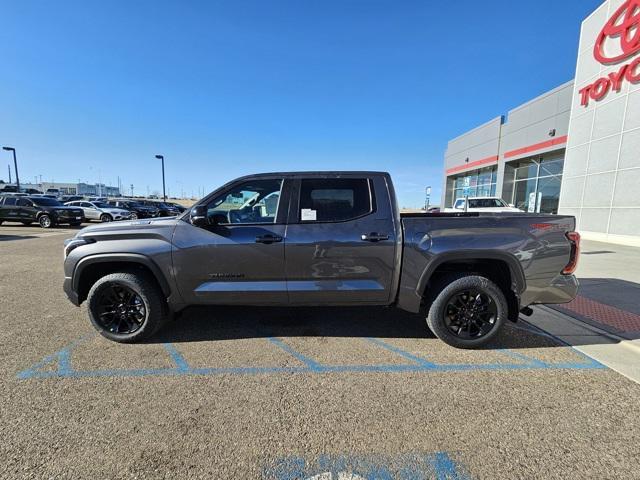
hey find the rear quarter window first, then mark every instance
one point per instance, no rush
(334, 199)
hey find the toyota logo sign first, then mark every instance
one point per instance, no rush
(618, 40)
(621, 33)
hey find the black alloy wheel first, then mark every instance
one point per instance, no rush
(45, 221)
(120, 310)
(470, 314)
(465, 310)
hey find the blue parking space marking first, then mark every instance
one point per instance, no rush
(58, 365)
(402, 353)
(438, 466)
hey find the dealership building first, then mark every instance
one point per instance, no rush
(573, 150)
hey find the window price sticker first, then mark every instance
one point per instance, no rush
(307, 214)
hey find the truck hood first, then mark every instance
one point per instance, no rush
(109, 228)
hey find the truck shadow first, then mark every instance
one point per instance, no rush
(200, 324)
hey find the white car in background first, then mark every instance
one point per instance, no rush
(483, 204)
(100, 211)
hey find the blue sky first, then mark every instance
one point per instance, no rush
(94, 89)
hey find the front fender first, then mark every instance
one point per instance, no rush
(120, 257)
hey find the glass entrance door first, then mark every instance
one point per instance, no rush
(537, 185)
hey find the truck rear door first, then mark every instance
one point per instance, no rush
(341, 241)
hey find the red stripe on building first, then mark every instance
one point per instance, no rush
(537, 146)
(477, 163)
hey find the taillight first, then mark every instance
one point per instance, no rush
(574, 239)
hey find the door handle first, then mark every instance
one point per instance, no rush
(374, 237)
(268, 239)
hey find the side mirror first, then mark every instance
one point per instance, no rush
(198, 216)
(512, 205)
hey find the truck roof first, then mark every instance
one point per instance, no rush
(316, 173)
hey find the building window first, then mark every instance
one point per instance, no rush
(537, 185)
(478, 183)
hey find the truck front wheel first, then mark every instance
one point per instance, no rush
(467, 310)
(126, 307)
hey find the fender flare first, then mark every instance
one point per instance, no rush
(134, 258)
(518, 280)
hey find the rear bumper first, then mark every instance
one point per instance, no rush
(72, 295)
(563, 289)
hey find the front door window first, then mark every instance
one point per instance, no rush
(254, 202)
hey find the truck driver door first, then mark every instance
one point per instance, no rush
(237, 257)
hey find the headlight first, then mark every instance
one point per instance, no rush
(73, 243)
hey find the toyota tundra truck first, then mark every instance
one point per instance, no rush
(322, 239)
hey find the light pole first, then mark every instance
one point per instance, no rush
(164, 195)
(15, 165)
(427, 198)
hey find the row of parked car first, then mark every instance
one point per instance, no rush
(48, 211)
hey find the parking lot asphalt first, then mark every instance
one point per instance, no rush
(364, 393)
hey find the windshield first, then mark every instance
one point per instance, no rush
(486, 203)
(46, 202)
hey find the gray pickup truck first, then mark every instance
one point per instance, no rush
(325, 238)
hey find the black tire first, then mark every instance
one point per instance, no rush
(25, 223)
(105, 217)
(146, 289)
(45, 221)
(467, 310)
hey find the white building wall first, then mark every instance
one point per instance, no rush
(601, 184)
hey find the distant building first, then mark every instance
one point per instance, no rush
(86, 189)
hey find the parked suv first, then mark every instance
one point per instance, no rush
(46, 211)
(165, 209)
(101, 211)
(71, 198)
(137, 209)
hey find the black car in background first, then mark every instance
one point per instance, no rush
(177, 206)
(46, 211)
(137, 209)
(165, 209)
(71, 198)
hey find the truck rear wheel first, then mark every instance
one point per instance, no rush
(126, 307)
(467, 310)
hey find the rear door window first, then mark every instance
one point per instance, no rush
(334, 199)
(9, 201)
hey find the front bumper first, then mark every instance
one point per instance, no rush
(73, 217)
(72, 295)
